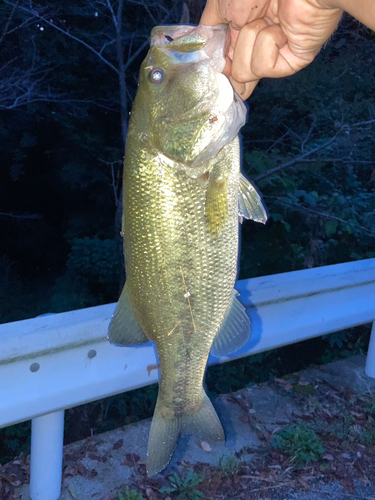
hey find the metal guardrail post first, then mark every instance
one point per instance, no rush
(370, 361)
(47, 434)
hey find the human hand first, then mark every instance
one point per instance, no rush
(271, 38)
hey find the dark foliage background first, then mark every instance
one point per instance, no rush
(68, 74)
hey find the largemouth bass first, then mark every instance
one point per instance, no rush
(183, 195)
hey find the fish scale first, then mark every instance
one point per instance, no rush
(175, 237)
(181, 192)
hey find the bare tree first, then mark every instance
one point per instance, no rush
(113, 44)
(102, 28)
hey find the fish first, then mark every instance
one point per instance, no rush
(183, 198)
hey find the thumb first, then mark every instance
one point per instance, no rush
(210, 15)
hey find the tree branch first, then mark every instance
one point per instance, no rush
(360, 124)
(7, 24)
(24, 216)
(114, 183)
(316, 212)
(143, 46)
(65, 32)
(299, 158)
(113, 16)
(304, 157)
(307, 136)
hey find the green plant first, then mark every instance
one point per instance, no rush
(14, 440)
(337, 339)
(228, 465)
(184, 488)
(129, 495)
(348, 417)
(368, 432)
(370, 408)
(301, 443)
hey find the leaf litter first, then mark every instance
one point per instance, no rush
(330, 440)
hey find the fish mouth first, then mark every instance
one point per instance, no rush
(207, 45)
(188, 43)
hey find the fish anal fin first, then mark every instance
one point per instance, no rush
(124, 328)
(234, 331)
(216, 204)
(250, 204)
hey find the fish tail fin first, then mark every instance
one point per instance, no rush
(162, 441)
(166, 428)
(204, 423)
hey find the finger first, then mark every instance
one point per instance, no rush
(228, 67)
(244, 90)
(211, 15)
(272, 56)
(243, 51)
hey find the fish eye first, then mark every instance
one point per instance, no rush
(157, 75)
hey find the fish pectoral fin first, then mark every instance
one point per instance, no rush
(250, 204)
(166, 428)
(234, 331)
(124, 328)
(216, 204)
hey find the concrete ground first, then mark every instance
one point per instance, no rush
(100, 467)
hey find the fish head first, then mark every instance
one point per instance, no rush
(191, 108)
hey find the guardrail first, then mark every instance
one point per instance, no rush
(54, 362)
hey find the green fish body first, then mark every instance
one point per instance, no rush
(183, 194)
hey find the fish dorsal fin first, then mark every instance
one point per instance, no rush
(124, 328)
(234, 331)
(250, 204)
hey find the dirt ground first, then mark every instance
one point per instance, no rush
(306, 436)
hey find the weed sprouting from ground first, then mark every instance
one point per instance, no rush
(184, 488)
(228, 465)
(302, 444)
(129, 495)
